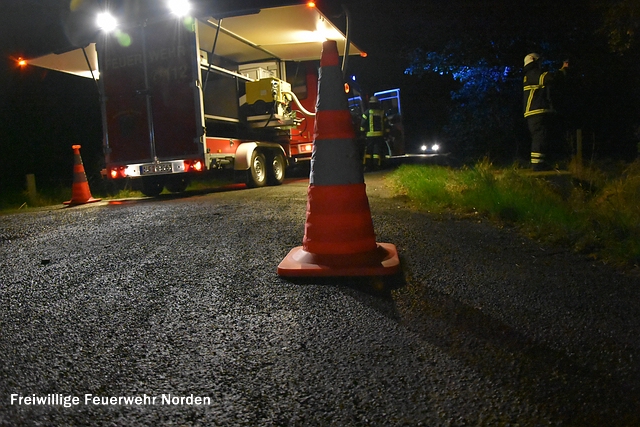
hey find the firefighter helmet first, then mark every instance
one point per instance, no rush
(532, 57)
(373, 101)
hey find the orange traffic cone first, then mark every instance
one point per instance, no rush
(80, 192)
(339, 238)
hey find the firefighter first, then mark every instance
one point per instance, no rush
(538, 108)
(375, 128)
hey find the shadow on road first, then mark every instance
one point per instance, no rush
(375, 292)
(564, 386)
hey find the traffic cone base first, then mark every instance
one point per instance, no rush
(382, 261)
(75, 203)
(80, 193)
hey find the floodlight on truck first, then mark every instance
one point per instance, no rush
(179, 8)
(106, 21)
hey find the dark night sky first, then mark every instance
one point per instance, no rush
(385, 29)
(32, 27)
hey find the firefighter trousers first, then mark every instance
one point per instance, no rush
(539, 129)
(374, 152)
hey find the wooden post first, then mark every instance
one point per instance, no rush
(31, 188)
(579, 150)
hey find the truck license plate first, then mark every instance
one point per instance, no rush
(157, 168)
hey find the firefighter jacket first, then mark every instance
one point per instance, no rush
(374, 123)
(537, 90)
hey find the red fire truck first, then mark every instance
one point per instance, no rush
(184, 93)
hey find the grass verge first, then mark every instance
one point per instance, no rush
(594, 212)
(15, 200)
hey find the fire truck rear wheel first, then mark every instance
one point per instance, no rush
(177, 185)
(113, 186)
(151, 187)
(276, 172)
(257, 176)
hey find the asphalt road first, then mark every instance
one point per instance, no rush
(170, 312)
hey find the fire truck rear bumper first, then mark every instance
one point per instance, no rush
(155, 168)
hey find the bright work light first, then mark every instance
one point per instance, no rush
(106, 22)
(179, 7)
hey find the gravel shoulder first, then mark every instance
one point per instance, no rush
(180, 297)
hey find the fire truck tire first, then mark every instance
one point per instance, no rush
(276, 172)
(112, 187)
(152, 186)
(177, 184)
(257, 176)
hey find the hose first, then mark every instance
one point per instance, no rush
(297, 101)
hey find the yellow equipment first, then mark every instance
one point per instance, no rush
(268, 90)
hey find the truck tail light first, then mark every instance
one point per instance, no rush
(193, 166)
(117, 172)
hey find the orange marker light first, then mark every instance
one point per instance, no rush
(363, 54)
(311, 4)
(22, 62)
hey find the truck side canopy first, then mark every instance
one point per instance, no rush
(282, 33)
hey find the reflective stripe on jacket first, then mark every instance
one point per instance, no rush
(536, 98)
(374, 123)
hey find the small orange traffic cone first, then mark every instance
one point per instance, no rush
(339, 239)
(80, 193)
